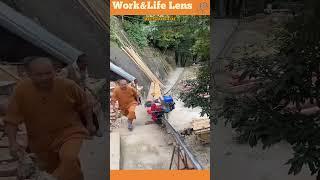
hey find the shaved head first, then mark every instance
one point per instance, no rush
(39, 62)
(123, 84)
(41, 71)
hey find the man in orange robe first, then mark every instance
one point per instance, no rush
(127, 98)
(51, 109)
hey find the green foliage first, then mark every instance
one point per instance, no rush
(292, 76)
(137, 32)
(187, 36)
(198, 95)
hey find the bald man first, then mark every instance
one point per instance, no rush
(51, 109)
(127, 98)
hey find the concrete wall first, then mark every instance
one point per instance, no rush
(121, 59)
(68, 20)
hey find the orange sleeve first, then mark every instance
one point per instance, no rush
(114, 96)
(79, 96)
(14, 115)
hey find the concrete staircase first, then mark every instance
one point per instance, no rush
(146, 147)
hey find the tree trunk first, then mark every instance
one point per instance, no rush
(194, 58)
(185, 58)
(176, 57)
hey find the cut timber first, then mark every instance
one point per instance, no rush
(154, 91)
(200, 123)
(137, 60)
(115, 151)
(204, 138)
(201, 128)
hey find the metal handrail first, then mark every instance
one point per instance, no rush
(185, 148)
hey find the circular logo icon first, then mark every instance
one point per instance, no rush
(203, 6)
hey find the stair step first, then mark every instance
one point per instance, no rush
(115, 151)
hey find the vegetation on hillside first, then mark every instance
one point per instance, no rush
(187, 36)
(291, 76)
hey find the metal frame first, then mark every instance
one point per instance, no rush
(182, 150)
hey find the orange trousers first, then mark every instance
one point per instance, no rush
(130, 112)
(64, 164)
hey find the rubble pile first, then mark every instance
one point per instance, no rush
(114, 111)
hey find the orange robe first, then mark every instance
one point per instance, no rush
(127, 100)
(54, 128)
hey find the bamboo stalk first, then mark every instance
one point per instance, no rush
(142, 64)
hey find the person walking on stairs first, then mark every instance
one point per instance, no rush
(51, 109)
(127, 98)
(78, 72)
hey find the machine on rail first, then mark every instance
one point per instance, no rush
(159, 107)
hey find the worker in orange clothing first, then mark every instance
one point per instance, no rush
(127, 98)
(51, 109)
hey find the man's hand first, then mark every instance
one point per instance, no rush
(138, 100)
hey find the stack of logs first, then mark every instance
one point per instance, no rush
(200, 127)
